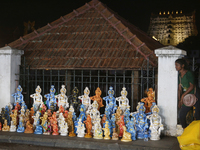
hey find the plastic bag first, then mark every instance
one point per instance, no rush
(190, 139)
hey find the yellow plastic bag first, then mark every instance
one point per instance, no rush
(190, 139)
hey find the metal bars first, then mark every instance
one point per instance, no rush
(135, 83)
(132, 90)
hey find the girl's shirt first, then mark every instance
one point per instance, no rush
(186, 80)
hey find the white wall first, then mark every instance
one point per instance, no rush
(10, 59)
(168, 86)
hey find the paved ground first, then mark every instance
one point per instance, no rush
(14, 146)
(22, 141)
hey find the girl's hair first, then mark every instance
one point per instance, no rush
(182, 62)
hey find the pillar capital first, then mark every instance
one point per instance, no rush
(7, 50)
(170, 51)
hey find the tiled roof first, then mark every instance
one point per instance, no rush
(90, 37)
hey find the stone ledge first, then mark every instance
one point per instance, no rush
(74, 142)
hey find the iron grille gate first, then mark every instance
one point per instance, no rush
(194, 66)
(135, 81)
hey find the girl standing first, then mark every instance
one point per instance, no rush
(185, 86)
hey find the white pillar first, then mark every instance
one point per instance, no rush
(10, 59)
(168, 86)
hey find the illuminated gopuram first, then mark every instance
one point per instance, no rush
(172, 28)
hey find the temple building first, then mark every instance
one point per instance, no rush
(172, 28)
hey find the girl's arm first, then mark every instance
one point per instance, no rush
(179, 92)
(188, 90)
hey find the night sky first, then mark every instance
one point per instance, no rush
(14, 12)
